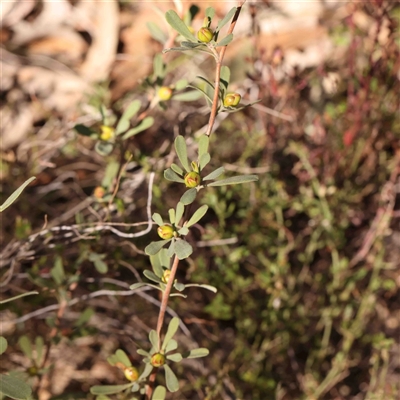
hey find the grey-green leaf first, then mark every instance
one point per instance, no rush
(177, 357)
(109, 389)
(210, 12)
(171, 345)
(57, 272)
(158, 66)
(151, 275)
(202, 92)
(154, 247)
(171, 379)
(173, 19)
(138, 285)
(183, 249)
(171, 213)
(196, 353)
(156, 32)
(234, 180)
(226, 19)
(104, 148)
(39, 345)
(181, 84)
(202, 285)
(215, 174)
(180, 287)
(181, 151)
(26, 346)
(3, 344)
(180, 209)
(177, 169)
(16, 194)
(189, 196)
(172, 328)
(124, 122)
(159, 393)
(145, 124)
(226, 40)
(123, 358)
(225, 76)
(170, 175)
(156, 217)
(203, 144)
(204, 159)
(153, 337)
(197, 216)
(191, 45)
(18, 297)
(183, 231)
(191, 95)
(14, 388)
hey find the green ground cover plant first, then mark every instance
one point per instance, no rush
(246, 257)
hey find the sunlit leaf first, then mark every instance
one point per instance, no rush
(208, 98)
(235, 180)
(204, 159)
(173, 19)
(146, 372)
(210, 12)
(180, 209)
(145, 124)
(181, 151)
(170, 175)
(225, 76)
(197, 216)
(177, 169)
(172, 328)
(158, 66)
(226, 40)
(203, 144)
(171, 345)
(183, 231)
(171, 379)
(159, 393)
(156, 217)
(124, 122)
(171, 213)
(197, 353)
(123, 358)
(177, 357)
(16, 194)
(153, 337)
(191, 95)
(226, 19)
(181, 84)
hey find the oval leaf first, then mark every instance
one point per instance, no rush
(172, 328)
(234, 180)
(215, 174)
(145, 124)
(156, 217)
(183, 249)
(171, 379)
(153, 337)
(26, 346)
(159, 393)
(204, 159)
(14, 388)
(109, 389)
(171, 345)
(181, 151)
(203, 144)
(226, 40)
(180, 209)
(189, 196)
(177, 357)
(123, 123)
(154, 247)
(123, 358)
(173, 19)
(172, 176)
(197, 216)
(226, 19)
(196, 353)
(177, 169)
(151, 275)
(191, 95)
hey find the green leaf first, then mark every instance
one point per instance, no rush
(215, 174)
(171, 345)
(176, 49)
(183, 231)
(234, 180)
(181, 151)
(206, 81)
(203, 144)
(180, 287)
(156, 217)
(151, 275)
(202, 92)
(104, 148)
(173, 19)
(154, 247)
(138, 285)
(123, 358)
(171, 213)
(99, 264)
(145, 124)
(204, 286)
(197, 353)
(159, 393)
(181, 84)
(124, 122)
(156, 32)
(3, 344)
(158, 66)
(183, 249)
(204, 159)
(16, 194)
(18, 297)
(171, 248)
(39, 346)
(197, 216)
(226, 19)
(180, 209)
(172, 328)
(210, 12)
(171, 379)
(57, 272)
(14, 388)
(26, 346)
(109, 389)
(226, 40)
(189, 196)
(170, 175)
(177, 357)
(153, 337)
(225, 76)
(143, 352)
(191, 45)
(177, 169)
(84, 130)
(146, 372)
(110, 174)
(156, 264)
(191, 95)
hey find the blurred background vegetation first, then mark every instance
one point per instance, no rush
(306, 261)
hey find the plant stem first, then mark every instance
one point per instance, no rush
(218, 59)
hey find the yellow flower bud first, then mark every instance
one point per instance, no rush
(232, 99)
(131, 374)
(205, 35)
(107, 133)
(157, 360)
(192, 179)
(164, 93)
(165, 277)
(165, 231)
(99, 192)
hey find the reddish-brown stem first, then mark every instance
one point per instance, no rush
(218, 59)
